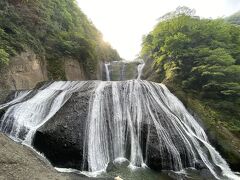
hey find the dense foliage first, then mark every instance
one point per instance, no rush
(200, 56)
(53, 29)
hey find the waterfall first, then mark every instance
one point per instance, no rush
(182, 141)
(18, 96)
(107, 71)
(124, 70)
(136, 120)
(140, 68)
(23, 118)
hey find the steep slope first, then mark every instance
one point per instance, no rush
(18, 162)
(48, 40)
(199, 59)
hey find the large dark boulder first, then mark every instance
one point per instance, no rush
(61, 139)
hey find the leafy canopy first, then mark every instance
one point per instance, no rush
(199, 55)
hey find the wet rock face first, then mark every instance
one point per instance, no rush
(154, 159)
(61, 139)
(155, 152)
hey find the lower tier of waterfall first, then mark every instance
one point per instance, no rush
(87, 125)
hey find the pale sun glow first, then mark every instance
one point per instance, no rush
(124, 22)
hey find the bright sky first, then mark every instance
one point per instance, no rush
(124, 22)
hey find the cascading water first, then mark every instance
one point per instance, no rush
(23, 118)
(115, 121)
(123, 70)
(18, 96)
(107, 71)
(136, 120)
(140, 68)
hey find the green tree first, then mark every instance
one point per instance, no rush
(201, 56)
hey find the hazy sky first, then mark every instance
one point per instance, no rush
(124, 22)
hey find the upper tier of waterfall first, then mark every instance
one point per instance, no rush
(136, 120)
(123, 70)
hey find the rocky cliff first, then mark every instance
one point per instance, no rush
(73, 70)
(26, 70)
(48, 40)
